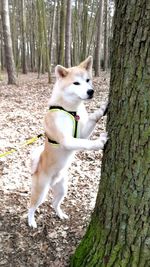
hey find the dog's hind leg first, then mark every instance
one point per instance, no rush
(59, 192)
(38, 194)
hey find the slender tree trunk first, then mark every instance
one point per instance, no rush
(68, 34)
(9, 60)
(1, 49)
(119, 232)
(40, 38)
(24, 41)
(13, 29)
(51, 42)
(79, 30)
(33, 36)
(98, 39)
(105, 34)
(47, 54)
(62, 33)
(84, 30)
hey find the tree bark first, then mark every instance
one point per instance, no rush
(105, 35)
(40, 38)
(68, 35)
(52, 35)
(47, 54)
(9, 60)
(119, 231)
(62, 33)
(1, 48)
(84, 30)
(98, 39)
(24, 41)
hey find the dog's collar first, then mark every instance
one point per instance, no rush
(73, 114)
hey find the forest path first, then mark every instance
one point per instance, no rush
(22, 109)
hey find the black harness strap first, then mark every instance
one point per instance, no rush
(76, 118)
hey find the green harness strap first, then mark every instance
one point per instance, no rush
(73, 115)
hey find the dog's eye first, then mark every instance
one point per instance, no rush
(87, 80)
(76, 83)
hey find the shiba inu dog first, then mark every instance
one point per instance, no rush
(67, 127)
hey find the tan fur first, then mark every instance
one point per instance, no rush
(50, 164)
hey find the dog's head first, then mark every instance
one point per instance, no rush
(75, 84)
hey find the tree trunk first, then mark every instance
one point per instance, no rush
(105, 35)
(13, 26)
(40, 38)
(62, 33)
(24, 56)
(98, 39)
(68, 35)
(84, 30)
(119, 232)
(1, 49)
(32, 30)
(47, 54)
(76, 33)
(52, 35)
(9, 60)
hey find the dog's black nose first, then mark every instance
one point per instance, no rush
(90, 93)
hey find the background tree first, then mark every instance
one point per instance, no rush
(98, 39)
(119, 231)
(43, 35)
(52, 43)
(9, 60)
(61, 50)
(47, 54)
(24, 41)
(68, 34)
(106, 18)
(1, 46)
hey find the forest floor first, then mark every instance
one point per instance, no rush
(22, 109)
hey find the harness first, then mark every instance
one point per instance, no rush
(73, 115)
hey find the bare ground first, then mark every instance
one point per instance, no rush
(22, 109)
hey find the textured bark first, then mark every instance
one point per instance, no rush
(23, 17)
(119, 232)
(33, 36)
(52, 35)
(1, 49)
(105, 34)
(42, 45)
(13, 27)
(62, 33)
(47, 54)
(68, 35)
(84, 29)
(98, 39)
(76, 35)
(9, 60)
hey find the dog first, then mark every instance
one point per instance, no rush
(67, 127)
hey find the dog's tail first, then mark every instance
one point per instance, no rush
(35, 157)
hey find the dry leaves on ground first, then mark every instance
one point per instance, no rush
(22, 109)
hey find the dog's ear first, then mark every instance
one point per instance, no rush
(87, 64)
(60, 71)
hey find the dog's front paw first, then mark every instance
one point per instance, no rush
(100, 112)
(103, 139)
(104, 108)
